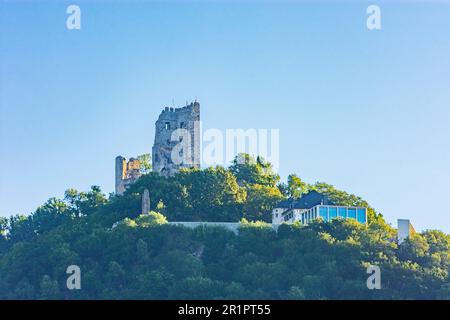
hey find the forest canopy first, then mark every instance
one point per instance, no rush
(126, 254)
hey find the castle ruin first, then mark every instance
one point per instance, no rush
(127, 172)
(177, 140)
(176, 146)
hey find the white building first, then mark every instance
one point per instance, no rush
(404, 230)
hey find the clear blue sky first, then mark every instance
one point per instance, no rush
(367, 111)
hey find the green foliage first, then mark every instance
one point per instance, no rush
(192, 195)
(84, 203)
(244, 223)
(343, 198)
(49, 288)
(151, 219)
(21, 228)
(146, 163)
(260, 201)
(296, 187)
(3, 226)
(249, 170)
(147, 220)
(126, 255)
(318, 261)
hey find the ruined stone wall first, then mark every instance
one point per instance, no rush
(133, 164)
(126, 173)
(169, 140)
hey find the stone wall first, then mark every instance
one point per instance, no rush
(127, 172)
(232, 226)
(177, 139)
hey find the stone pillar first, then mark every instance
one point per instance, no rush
(120, 174)
(146, 202)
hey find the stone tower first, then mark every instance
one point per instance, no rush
(177, 139)
(126, 173)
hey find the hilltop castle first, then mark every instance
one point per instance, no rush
(177, 139)
(176, 146)
(127, 172)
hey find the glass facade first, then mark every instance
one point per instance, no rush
(352, 213)
(324, 213)
(332, 213)
(361, 215)
(328, 213)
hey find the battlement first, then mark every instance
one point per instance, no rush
(187, 113)
(187, 107)
(167, 137)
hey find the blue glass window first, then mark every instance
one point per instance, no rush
(352, 213)
(343, 212)
(332, 211)
(323, 211)
(361, 215)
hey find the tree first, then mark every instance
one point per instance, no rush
(260, 201)
(20, 228)
(49, 288)
(247, 170)
(415, 249)
(24, 290)
(212, 194)
(142, 250)
(3, 232)
(85, 203)
(296, 293)
(3, 226)
(52, 214)
(151, 219)
(196, 288)
(181, 264)
(296, 187)
(144, 258)
(145, 161)
(116, 275)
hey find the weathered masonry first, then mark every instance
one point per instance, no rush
(177, 139)
(127, 172)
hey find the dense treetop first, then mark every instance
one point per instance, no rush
(125, 254)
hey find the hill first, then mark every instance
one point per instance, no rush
(123, 254)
